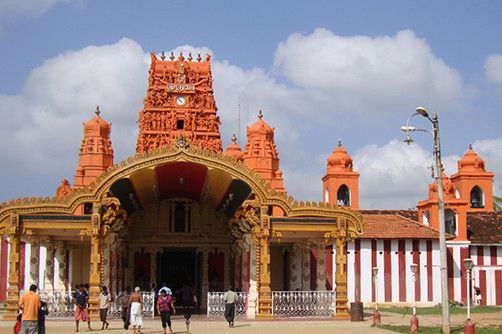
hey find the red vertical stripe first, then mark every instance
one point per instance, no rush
(373, 264)
(449, 266)
(22, 260)
(357, 269)
(464, 254)
(416, 260)
(498, 276)
(482, 275)
(430, 296)
(313, 269)
(329, 267)
(3, 268)
(402, 270)
(387, 271)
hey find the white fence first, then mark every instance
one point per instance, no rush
(61, 306)
(303, 304)
(216, 305)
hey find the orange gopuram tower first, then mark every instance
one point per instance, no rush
(179, 102)
(96, 153)
(261, 155)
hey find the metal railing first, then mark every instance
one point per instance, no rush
(303, 304)
(216, 305)
(60, 304)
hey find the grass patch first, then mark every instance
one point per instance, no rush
(438, 330)
(436, 310)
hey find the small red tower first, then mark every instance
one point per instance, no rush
(473, 183)
(341, 184)
(261, 155)
(233, 150)
(96, 153)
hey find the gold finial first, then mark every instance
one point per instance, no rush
(339, 142)
(162, 55)
(199, 58)
(97, 112)
(171, 56)
(260, 115)
(470, 147)
(234, 139)
(190, 56)
(208, 57)
(180, 57)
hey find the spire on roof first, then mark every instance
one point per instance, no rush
(97, 112)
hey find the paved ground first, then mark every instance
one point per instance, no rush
(200, 324)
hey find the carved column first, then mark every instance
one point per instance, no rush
(306, 267)
(153, 266)
(95, 262)
(321, 267)
(60, 266)
(252, 280)
(341, 279)
(295, 269)
(226, 268)
(49, 265)
(262, 239)
(33, 277)
(13, 289)
(105, 263)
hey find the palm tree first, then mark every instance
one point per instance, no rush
(497, 203)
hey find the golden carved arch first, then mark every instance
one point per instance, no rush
(265, 194)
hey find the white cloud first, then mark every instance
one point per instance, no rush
(29, 8)
(365, 75)
(493, 68)
(490, 150)
(44, 135)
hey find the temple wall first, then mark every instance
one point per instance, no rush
(80, 264)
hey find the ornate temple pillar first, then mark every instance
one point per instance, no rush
(341, 279)
(262, 239)
(321, 267)
(295, 269)
(49, 266)
(306, 267)
(60, 266)
(153, 266)
(33, 277)
(226, 268)
(251, 278)
(13, 280)
(95, 280)
(205, 276)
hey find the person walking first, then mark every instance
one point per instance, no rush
(42, 313)
(104, 306)
(123, 302)
(81, 301)
(165, 307)
(30, 303)
(230, 298)
(136, 310)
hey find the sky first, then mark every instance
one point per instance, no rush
(320, 71)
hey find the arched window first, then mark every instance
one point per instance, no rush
(343, 196)
(425, 218)
(477, 198)
(450, 221)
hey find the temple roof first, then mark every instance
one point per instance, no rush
(471, 162)
(339, 160)
(233, 150)
(395, 224)
(484, 227)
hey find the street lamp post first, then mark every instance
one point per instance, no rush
(438, 173)
(468, 325)
(414, 318)
(376, 315)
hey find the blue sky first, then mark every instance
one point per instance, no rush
(320, 70)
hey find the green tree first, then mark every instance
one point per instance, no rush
(497, 203)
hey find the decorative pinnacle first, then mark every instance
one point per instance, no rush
(162, 55)
(180, 57)
(339, 142)
(470, 146)
(234, 138)
(260, 115)
(199, 58)
(171, 56)
(190, 56)
(97, 112)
